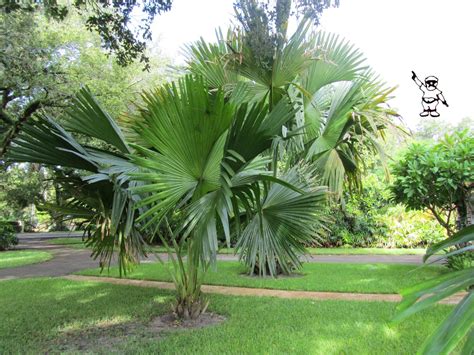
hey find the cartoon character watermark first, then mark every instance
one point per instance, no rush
(431, 95)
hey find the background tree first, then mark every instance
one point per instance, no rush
(110, 19)
(21, 187)
(435, 129)
(43, 64)
(437, 177)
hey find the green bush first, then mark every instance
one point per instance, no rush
(459, 261)
(409, 229)
(436, 177)
(371, 219)
(7, 236)
(352, 229)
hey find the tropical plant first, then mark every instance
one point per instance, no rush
(285, 221)
(199, 163)
(437, 177)
(340, 111)
(202, 164)
(458, 325)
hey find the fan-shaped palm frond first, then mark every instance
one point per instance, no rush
(283, 222)
(199, 143)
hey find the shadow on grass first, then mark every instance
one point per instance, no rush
(40, 315)
(57, 315)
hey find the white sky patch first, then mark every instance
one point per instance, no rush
(431, 37)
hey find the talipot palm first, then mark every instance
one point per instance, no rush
(202, 162)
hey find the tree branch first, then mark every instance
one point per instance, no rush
(30, 109)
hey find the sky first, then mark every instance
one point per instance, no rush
(430, 37)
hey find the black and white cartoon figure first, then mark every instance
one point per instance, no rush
(431, 95)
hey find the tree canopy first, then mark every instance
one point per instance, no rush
(44, 63)
(437, 177)
(110, 19)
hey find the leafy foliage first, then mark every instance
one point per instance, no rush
(459, 324)
(409, 229)
(8, 237)
(437, 177)
(20, 187)
(111, 20)
(44, 63)
(340, 109)
(369, 218)
(286, 220)
(204, 159)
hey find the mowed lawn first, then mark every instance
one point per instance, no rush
(363, 278)
(57, 315)
(14, 258)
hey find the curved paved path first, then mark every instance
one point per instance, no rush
(65, 261)
(68, 260)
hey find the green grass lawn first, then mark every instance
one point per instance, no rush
(349, 251)
(56, 315)
(76, 243)
(363, 278)
(16, 258)
(339, 251)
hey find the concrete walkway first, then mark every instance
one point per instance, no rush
(260, 292)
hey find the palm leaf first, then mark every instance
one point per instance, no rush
(87, 117)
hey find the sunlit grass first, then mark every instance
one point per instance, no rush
(16, 258)
(363, 278)
(76, 243)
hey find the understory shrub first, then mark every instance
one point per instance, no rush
(8, 237)
(370, 219)
(351, 229)
(409, 229)
(459, 261)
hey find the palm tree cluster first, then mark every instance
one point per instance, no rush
(240, 147)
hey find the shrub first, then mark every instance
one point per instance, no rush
(8, 237)
(409, 229)
(371, 219)
(437, 178)
(352, 229)
(459, 261)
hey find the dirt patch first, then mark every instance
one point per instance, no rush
(107, 338)
(170, 322)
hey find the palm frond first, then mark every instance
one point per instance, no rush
(283, 221)
(86, 116)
